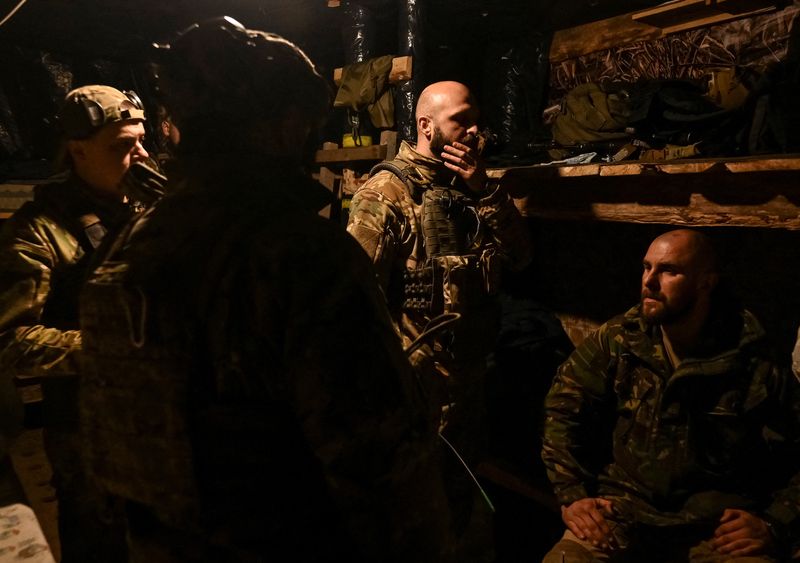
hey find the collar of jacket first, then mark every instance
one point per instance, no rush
(727, 333)
(75, 198)
(426, 171)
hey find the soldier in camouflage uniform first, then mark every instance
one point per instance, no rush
(219, 401)
(44, 252)
(438, 235)
(670, 433)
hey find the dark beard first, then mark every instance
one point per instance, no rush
(668, 314)
(438, 142)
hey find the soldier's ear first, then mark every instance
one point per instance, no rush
(76, 150)
(425, 126)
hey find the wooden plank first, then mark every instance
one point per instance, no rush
(763, 164)
(597, 36)
(647, 25)
(674, 13)
(389, 138)
(13, 196)
(748, 192)
(373, 152)
(633, 168)
(711, 20)
(402, 69)
(509, 478)
(327, 178)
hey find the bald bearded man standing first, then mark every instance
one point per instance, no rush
(439, 233)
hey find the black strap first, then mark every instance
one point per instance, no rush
(400, 172)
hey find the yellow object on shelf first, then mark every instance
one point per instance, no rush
(349, 143)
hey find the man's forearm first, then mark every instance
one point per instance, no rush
(39, 350)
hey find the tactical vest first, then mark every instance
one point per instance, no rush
(452, 275)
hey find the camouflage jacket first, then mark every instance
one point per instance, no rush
(676, 446)
(44, 252)
(249, 302)
(386, 220)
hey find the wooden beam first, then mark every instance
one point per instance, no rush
(510, 478)
(331, 181)
(12, 196)
(676, 12)
(372, 152)
(402, 68)
(654, 23)
(596, 36)
(748, 192)
(389, 138)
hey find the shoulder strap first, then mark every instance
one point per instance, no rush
(394, 167)
(87, 228)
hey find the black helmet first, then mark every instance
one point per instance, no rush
(224, 75)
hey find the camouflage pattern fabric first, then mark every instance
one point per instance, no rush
(676, 447)
(386, 220)
(250, 303)
(45, 249)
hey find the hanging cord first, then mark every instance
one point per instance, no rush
(469, 472)
(13, 11)
(434, 326)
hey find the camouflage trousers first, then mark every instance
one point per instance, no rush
(571, 549)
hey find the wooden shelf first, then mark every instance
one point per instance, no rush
(742, 192)
(331, 153)
(670, 14)
(12, 196)
(650, 24)
(331, 156)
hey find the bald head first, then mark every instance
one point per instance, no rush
(680, 273)
(441, 95)
(446, 112)
(693, 246)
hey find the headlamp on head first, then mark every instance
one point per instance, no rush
(88, 108)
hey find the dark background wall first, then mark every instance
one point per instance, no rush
(50, 46)
(588, 272)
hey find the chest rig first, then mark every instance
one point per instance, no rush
(451, 234)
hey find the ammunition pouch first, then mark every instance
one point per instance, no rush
(445, 284)
(419, 290)
(450, 223)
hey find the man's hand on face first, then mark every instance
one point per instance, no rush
(585, 518)
(741, 533)
(466, 163)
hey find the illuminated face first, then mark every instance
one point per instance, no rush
(671, 281)
(102, 159)
(456, 123)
